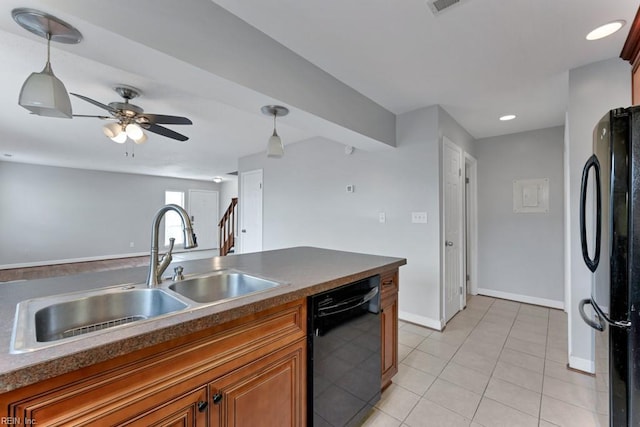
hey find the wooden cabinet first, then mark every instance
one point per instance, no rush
(266, 392)
(257, 364)
(631, 52)
(389, 327)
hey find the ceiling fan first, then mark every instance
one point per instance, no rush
(130, 119)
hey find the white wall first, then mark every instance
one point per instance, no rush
(593, 90)
(512, 247)
(305, 202)
(52, 214)
(228, 190)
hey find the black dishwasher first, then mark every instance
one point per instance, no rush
(344, 373)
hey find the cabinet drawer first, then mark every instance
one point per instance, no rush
(389, 283)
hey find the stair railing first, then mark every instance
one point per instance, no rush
(227, 228)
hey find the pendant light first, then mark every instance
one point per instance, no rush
(43, 93)
(274, 145)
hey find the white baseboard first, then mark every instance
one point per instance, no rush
(581, 364)
(522, 298)
(420, 320)
(71, 260)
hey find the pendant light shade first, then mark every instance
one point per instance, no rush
(275, 148)
(43, 93)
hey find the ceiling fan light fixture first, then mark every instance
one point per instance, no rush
(140, 140)
(134, 131)
(275, 148)
(112, 130)
(120, 138)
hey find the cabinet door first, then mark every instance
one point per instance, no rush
(188, 410)
(268, 392)
(389, 318)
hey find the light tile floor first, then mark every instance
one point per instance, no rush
(497, 363)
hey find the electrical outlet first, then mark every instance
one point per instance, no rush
(382, 217)
(419, 217)
(131, 244)
(351, 188)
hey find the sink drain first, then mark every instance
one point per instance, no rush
(99, 326)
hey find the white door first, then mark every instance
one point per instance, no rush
(204, 213)
(453, 229)
(250, 205)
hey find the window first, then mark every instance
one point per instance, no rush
(172, 222)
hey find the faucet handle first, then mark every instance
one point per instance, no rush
(172, 241)
(177, 273)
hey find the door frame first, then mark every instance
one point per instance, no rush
(471, 218)
(447, 141)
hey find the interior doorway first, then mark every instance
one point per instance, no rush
(250, 205)
(453, 229)
(459, 225)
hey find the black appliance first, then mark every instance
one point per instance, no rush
(611, 180)
(344, 357)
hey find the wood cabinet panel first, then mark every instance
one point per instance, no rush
(389, 326)
(631, 52)
(188, 410)
(270, 392)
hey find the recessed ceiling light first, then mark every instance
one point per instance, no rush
(507, 117)
(217, 179)
(606, 30)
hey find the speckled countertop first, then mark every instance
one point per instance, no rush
(306, 271)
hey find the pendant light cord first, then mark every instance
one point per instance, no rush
(48, 48)
(275, 114)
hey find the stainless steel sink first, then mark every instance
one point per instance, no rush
(47, 321)
(221, 286)
(43, 321)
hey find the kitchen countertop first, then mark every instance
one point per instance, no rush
(305, 270)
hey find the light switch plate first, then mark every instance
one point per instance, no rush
(419, 217)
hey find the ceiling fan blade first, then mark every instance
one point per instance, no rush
(167, 120)
(97, 117)
(161, 130)
(94, 102)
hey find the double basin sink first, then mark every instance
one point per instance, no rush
(43, 322)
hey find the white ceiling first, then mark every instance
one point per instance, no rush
(479, 60)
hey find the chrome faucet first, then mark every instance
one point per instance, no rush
(157, 267)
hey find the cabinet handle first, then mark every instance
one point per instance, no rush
(387, 283)
(202, 406)
(217, 398)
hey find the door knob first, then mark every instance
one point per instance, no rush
(448, 243)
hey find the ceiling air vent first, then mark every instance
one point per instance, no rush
(438, 6)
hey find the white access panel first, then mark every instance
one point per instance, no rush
(531, 195)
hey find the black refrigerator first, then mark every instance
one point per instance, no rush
(610, 240)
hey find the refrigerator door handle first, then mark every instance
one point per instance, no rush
(595, 325)
(592, 263)
(618, 323)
